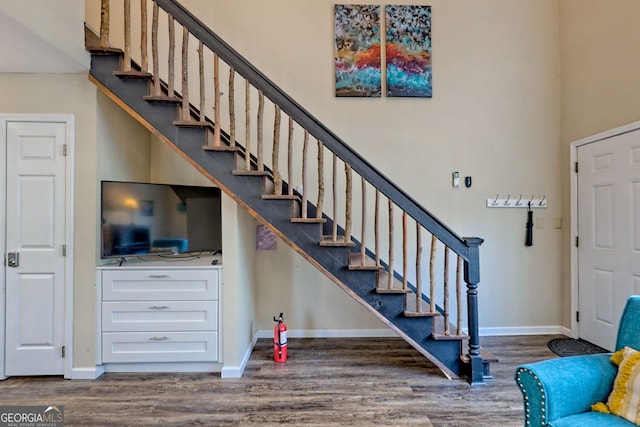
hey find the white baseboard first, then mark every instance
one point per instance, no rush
(237, 371)
(163, 367)
(521, 330)
(331, 333)
(86, 373)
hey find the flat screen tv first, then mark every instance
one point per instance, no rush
(159, 219)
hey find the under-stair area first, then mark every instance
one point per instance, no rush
(294, 175)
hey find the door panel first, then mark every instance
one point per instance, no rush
(609, 232)
(35, 215)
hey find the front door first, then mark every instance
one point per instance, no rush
(609, 233)
(35, 247)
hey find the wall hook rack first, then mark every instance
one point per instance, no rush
(517, 202)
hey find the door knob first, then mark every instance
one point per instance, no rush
(13, 259)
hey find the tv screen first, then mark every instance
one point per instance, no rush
(154, 219)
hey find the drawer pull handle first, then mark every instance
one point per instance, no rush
(158, 276)
(158, 339)
(158, 307)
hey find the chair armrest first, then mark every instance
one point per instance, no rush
(556, 388)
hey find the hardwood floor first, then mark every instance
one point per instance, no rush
(325, 382)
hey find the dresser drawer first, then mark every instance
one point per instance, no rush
(159, 284)
(136, 347)
(139, 316)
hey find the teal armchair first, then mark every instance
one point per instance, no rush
(560, 392)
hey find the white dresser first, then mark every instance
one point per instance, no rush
(159, 316)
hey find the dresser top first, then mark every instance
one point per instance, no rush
(160, 262)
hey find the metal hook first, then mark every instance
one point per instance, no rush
(519, 202)
(506, 202)
(542, 201)
(495, 202)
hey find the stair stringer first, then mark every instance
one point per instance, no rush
(276, 214)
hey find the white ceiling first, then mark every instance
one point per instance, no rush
(22, 51)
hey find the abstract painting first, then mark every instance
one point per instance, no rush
(408, 51)
(357, 51)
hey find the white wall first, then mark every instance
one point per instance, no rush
(495, 116)
(600, 69)
(69, 94)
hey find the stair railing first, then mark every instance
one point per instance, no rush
(375, 243)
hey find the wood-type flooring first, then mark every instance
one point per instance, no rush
(325, 382)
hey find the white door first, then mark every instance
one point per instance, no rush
(609, 234)
(35, 233)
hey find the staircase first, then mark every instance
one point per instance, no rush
(368, 238)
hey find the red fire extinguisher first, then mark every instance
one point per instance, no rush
(280, 340)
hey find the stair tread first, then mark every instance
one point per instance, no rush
(243, 172)
(355, 262)
(162, 99)
(102, 51)
(486, 355)
(339, 242)
(309, 220)
(132, 74)
(410, 309)
(382, 286)
(221, 147)
(280, 197)
(192, 123)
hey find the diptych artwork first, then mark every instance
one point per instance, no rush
(357, 50)
(407, 51)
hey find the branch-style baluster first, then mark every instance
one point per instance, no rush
(201, 73)
(376, 226)
(418, 268)
(432, 275)
(305, 147)
(390, 267)
(275, 154)
(247, 125)
(446, 291)
(334, 232)
(232, 107)
(459, 295)
(154, 50)
(290, 158)
(320, 181)
(104, 24)
(186, 116)
(260, 130)
(126, 60)
(216, 100)
(405, 284)
(144, 58)
(363, 232)
(172, 53)
(348, 202)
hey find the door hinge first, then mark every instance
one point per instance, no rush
(64, 250)
(575, 167)
(64, 350)
(577, 242)
(577, 316)
(64, 150)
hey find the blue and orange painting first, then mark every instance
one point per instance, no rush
(408, 51)
(357, 51)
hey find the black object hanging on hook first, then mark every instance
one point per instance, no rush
(529, 238)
